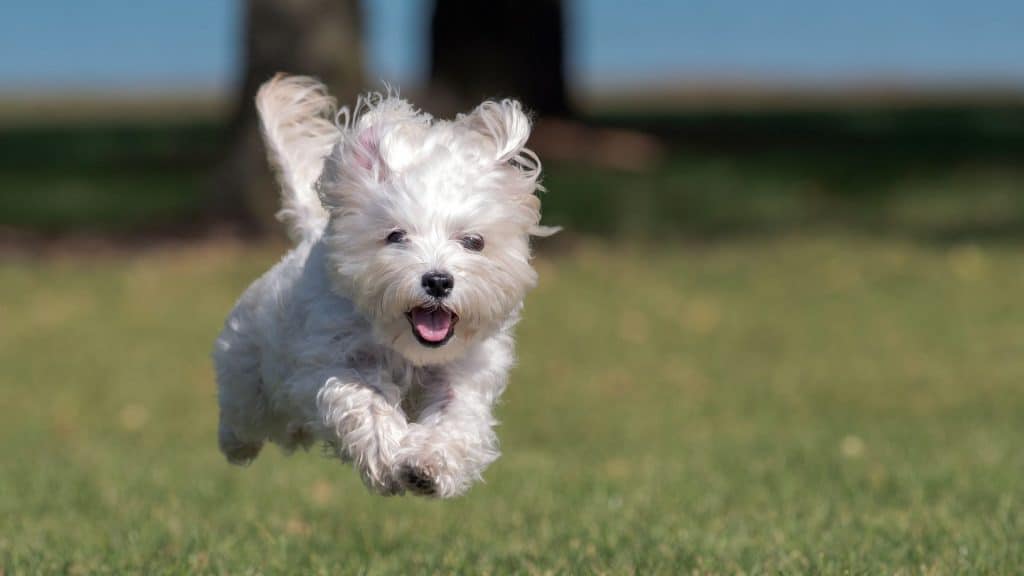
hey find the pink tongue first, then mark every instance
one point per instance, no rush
(432, 325)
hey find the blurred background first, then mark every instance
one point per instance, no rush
(665, 119)
(780, 332)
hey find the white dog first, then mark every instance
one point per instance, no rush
(387, 331)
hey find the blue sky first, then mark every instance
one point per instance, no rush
(194, 44)
(83, 44)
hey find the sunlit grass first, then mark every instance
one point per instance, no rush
(814, 404)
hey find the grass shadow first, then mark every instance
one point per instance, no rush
(938, 174)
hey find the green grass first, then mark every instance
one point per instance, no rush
(813, 404)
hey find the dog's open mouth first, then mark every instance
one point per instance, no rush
(432, 325)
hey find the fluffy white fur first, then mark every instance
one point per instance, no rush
(322, 347)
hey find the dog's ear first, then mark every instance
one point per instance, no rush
(359, 160)
(503, 122)
(296, 116)
(356, 157)
(508, 126)
(363, 149)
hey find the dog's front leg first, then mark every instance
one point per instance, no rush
(447, 450)
(366, 426)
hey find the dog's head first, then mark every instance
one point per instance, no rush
(430, 222)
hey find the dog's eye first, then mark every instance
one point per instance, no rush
(396, 237)
(472, 242)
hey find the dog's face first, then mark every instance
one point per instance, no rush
(430, 224)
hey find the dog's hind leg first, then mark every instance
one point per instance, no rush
(243, 405)
(236, 450)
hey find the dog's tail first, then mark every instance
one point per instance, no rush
(297, 117)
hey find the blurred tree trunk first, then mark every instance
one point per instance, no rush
(321, 38)
(499, 48)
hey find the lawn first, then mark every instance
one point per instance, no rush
(812, 403)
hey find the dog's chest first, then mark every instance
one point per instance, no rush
(421, 386)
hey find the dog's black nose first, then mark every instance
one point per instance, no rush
(438, 284)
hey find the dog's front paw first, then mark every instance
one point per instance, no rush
(418, 480)
(420, 466)
(377, 473)
(426, 466)
(391, 487)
